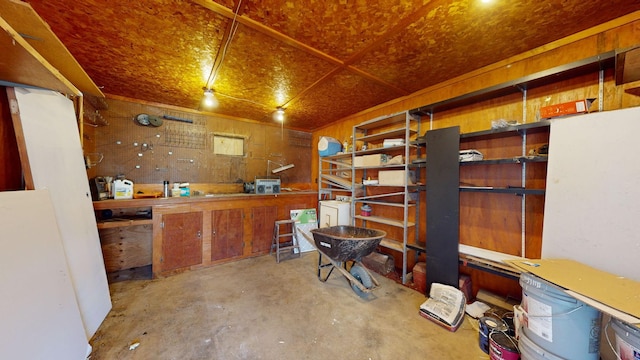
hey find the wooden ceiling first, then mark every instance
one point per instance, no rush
(321, 60)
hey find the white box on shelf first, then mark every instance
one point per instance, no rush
(395, 177)
(392, 142)
(470, 155)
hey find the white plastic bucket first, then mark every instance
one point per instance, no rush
(530, 351)
(558, 322)
(627, 340)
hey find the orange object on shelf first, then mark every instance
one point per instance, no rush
(148, 195)
(568, 108)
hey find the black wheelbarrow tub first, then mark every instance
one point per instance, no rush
(342, 243)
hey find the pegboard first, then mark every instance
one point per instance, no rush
(182, 151)
(184, 136)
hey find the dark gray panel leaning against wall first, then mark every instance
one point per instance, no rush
(443, 201)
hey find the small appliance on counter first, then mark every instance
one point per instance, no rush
(267, 186)
(99, 188)
(249, 187)
(262, 186)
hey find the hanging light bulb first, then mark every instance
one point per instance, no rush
(278, 115)
(209, 100)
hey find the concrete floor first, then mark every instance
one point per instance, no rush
(258, 309)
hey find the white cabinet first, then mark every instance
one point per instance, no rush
(333, 212)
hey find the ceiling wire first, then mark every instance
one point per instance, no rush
(241, 99)
(215, 70)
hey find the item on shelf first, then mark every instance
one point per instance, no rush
(147, 195)
(98, 187)
(369, 182)
(392, 142)
(267, 186)
(396, 160)
(370, 160)
(165, 189)
(365, 210)
(184, 189)
(568, 108)
(542, 150)
(122, 189)
(395, 177)
(328, 146)
(502, 123)
(175, 192)
(470, 155)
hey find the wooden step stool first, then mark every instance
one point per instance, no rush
(290, 247)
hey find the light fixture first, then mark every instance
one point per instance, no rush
(278, 115)
(278, 169)
(209, 100)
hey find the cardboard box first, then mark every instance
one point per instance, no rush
(370, 160)
(568, 108)
(395, 177)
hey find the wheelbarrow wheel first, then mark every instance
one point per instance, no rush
(363, 276)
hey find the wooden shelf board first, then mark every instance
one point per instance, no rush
(381, 149)
(391, 134)
(383, 203)
(23, 65)
(383, 121)
(391, 244)
(386, 221)
(123, 223)
(24, 20)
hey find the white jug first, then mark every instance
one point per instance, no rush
(122, 189)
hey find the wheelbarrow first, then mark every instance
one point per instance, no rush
(343, 244)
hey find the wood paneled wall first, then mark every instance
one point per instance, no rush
(618, 34)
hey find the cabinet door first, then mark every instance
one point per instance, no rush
(181, 240)
(328, 216)
(264, 218)
(334, 213)
(226, 234)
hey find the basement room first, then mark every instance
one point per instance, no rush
(349, 179)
